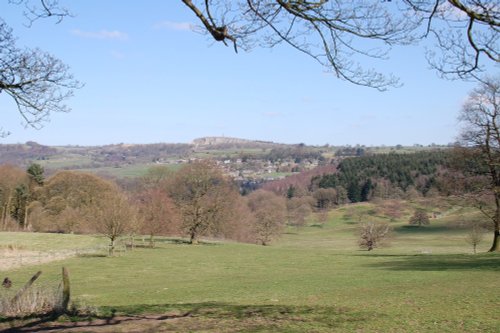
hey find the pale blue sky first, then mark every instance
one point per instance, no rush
(148, 79)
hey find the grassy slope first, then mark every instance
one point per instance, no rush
(313, 279)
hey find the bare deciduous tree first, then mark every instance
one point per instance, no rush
(41, 9)
(269, 211)
(37, 82)
(158, 214)
(114, 217)
(466, 33)
(481, 132)
(337, 33)
(475, 236)
(298, 210)
(373, 234)
(334, 33)
(204, 196)
(340, 35)
(419, 218)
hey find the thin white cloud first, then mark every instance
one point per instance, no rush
(272, 114)
(117, 55)
(177, 26)
(103, 34)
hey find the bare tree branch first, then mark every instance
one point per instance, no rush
(42, 9)
(333, 33)
(480, 116)
(37, 82)
(466, 34)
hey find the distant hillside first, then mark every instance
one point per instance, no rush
(18, 154)
(77, 157)
(241, 157)
(222, 142)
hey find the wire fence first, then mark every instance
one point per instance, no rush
(41, 295)
(34, 296)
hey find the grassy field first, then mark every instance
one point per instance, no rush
(124, 171)
(314, 279)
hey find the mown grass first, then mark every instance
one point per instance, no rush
(314, 279)
(65, 161)
(123, 171)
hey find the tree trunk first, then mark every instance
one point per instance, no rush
(132, 242)
(112, 247)
(495, 247)
(4, 209)
(66, 290)
(193, 238)
(6, 212)
(25, 223)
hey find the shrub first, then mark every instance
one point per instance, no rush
(420, 218)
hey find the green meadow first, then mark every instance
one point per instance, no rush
(313, 279)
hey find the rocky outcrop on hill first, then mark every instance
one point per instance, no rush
(225, 142)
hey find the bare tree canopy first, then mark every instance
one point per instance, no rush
(480, 117)
(41, 9)
(334, 33)
(466, 34)
(337, 33)
(373, 234)
(38, 82)
(343, 36)
(203, 196)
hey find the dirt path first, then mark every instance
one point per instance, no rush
(10, 259)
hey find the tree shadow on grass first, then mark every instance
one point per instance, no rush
(57, 323)
(207, 317)
(92, 255)
(425, 229)
(440, 262)
(179, 241)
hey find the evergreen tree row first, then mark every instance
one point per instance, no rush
(387, 175)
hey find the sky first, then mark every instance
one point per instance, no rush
(149, 78)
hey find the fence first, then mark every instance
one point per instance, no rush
(20, 298)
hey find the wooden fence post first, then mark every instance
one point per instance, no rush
(66, 290)
(28, 284)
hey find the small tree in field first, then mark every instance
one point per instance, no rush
(269, 211)
(114, 218)
(298, 210)
(373, 234)
(203, 196)
(475, 236)
(420, 218)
